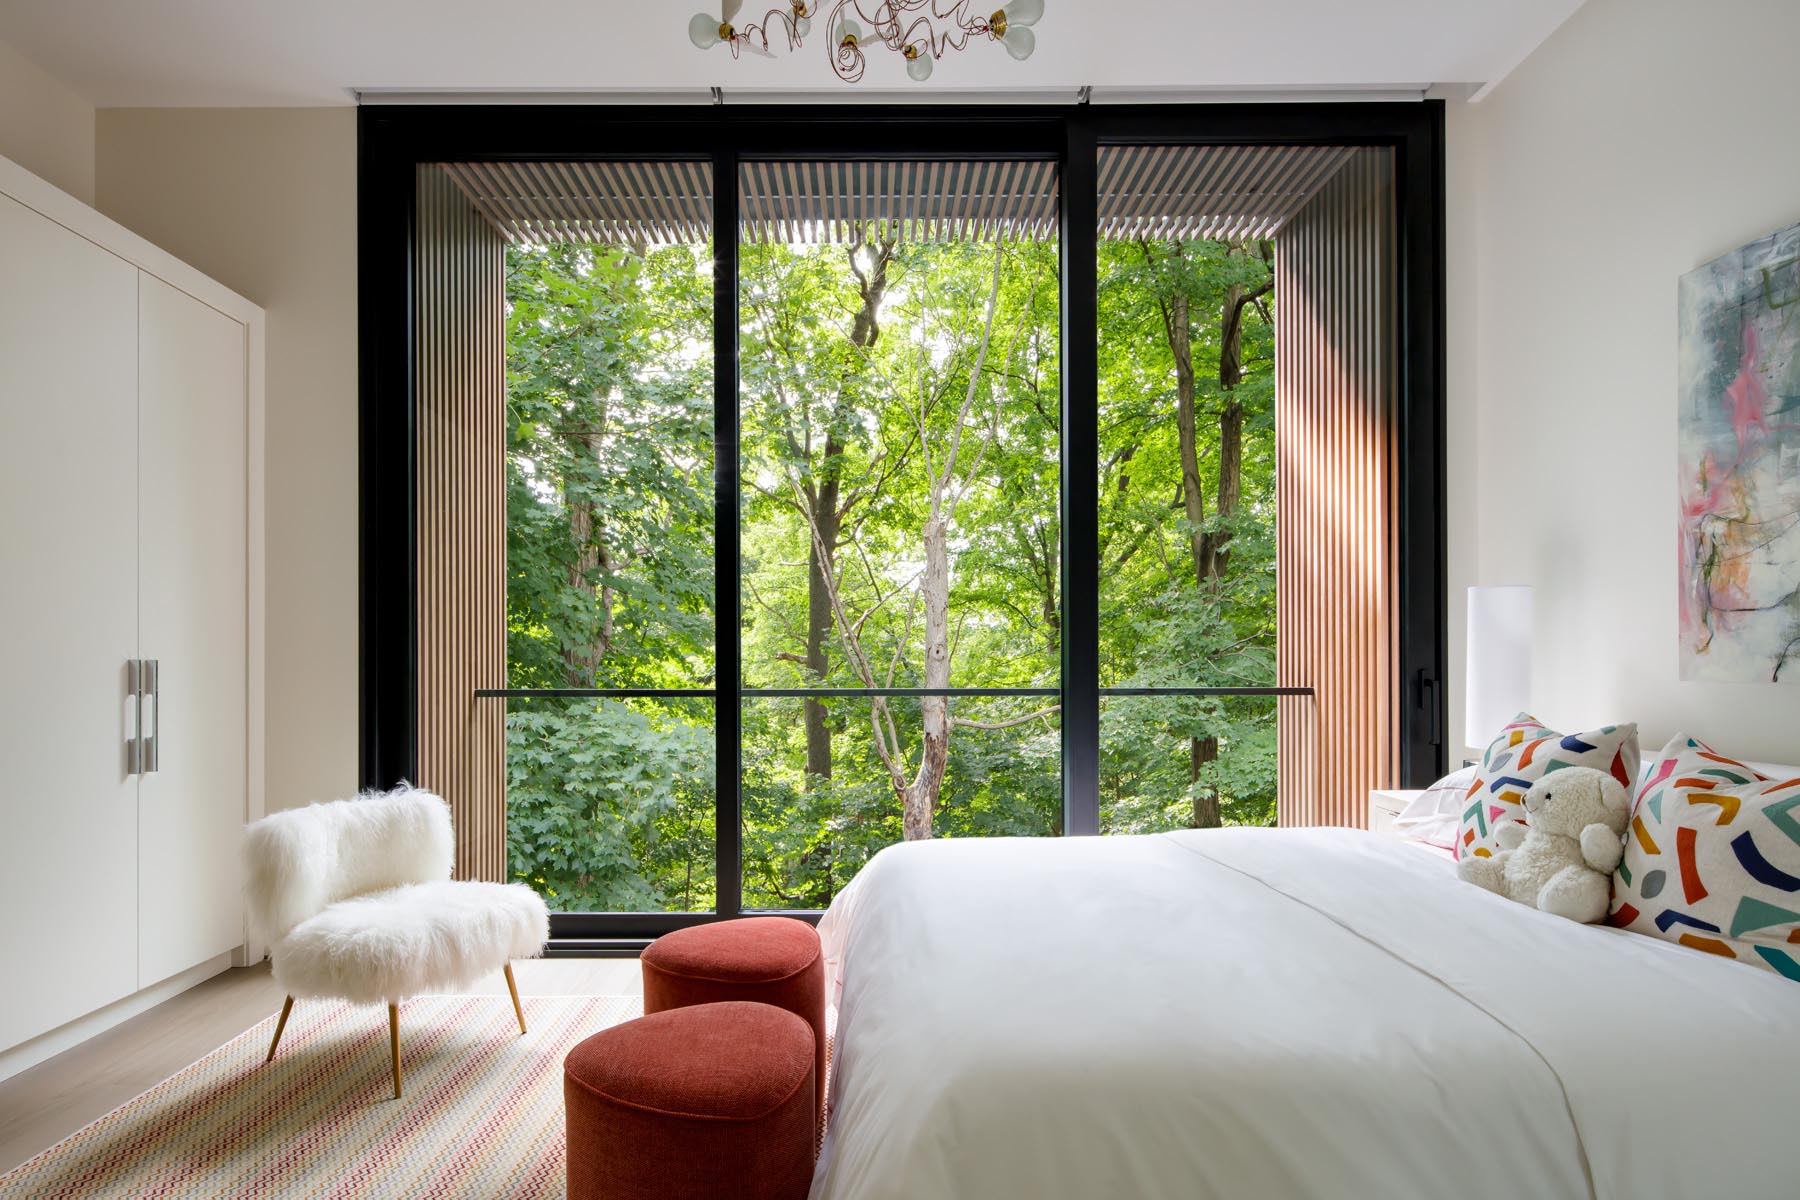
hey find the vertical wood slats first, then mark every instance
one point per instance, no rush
(1144, 191)
(461, 450)
(1336, 575)
(1208, 191)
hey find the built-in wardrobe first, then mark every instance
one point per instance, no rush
(130, 400)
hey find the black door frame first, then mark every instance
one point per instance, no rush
(394, 140)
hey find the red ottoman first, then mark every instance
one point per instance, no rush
(772, 960)
(711, 1102)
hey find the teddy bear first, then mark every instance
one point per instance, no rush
(1562, 861)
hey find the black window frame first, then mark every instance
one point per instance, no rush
(394, 140)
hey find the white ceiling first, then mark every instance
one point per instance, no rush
(119, 53)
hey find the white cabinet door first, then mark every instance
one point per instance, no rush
(192, 490)
(68, 624)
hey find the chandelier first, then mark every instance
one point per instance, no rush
(920, 31)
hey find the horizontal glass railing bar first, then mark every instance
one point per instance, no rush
(1206, 691)
(756, 693)
(602, 925)
(619, 947)
(614, 693)
(850, 693)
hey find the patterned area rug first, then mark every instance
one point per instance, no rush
(482, 1115)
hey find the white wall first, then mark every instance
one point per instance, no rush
(1642, 139)
(264, 200)
(45, 127)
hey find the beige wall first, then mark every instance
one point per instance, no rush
(1642, 139)
(45, 127)
(264, 200)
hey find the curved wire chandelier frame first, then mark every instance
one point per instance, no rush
(920, 31)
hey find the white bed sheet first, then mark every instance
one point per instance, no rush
(1280, 1013)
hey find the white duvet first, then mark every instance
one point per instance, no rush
(1281, 1013)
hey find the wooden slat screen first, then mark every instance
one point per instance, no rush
(910, 200)
(1144, 191)
(461, 447)
(1226, 192)
(1335, 438)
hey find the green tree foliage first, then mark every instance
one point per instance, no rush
(900, 414)
(1161, 623)
(610, 576)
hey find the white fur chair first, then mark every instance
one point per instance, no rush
(356, 902)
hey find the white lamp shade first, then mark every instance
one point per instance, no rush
(1498, 677)
(703, 30)
(1019, 42)
(1024, 12)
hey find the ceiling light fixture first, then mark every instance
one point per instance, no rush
(916, 29)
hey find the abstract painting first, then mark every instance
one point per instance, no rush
(1739, 438)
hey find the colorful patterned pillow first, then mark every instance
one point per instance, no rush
(1712, 860)
(1525, 752)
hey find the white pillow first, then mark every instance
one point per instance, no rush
(1432, 816)
(1653, 761)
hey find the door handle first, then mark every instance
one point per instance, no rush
(134, 745)
(152, 676)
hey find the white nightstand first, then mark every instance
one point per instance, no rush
(1385, 804)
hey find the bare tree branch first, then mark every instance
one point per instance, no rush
(905, 640)
(994, 424)
(966, 723)
(750, 587)
(940, 487)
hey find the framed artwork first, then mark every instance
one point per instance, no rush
(1739, 439)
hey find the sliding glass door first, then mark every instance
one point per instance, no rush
(778, 500)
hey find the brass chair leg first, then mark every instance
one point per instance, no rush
(280, 1024)
(518, 1009)
(394, 1043)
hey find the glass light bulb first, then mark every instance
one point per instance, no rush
(1023, 12)
(849, 29)
(1019, 42)
(703, 31)
(919, 67)
(802, 26)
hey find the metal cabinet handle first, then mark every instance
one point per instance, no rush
(152, 674)
(134, 745)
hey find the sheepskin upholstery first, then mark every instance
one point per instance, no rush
(405, 941)
(355, 900)
(304, 859)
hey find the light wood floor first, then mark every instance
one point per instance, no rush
(43, 1105)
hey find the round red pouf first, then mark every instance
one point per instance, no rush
(710, 1102)
(772, 960)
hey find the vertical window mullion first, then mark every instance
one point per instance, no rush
(1079, 201)
(728, 724)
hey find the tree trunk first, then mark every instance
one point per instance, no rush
(918, 799)
(1231, 483)
(1193, 498)
(1202, 750)
(827, 517)
(818, 624)
(1231, 426)
(587, 538)
(1210, 551)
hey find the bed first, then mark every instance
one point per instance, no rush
(1280, 1013)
